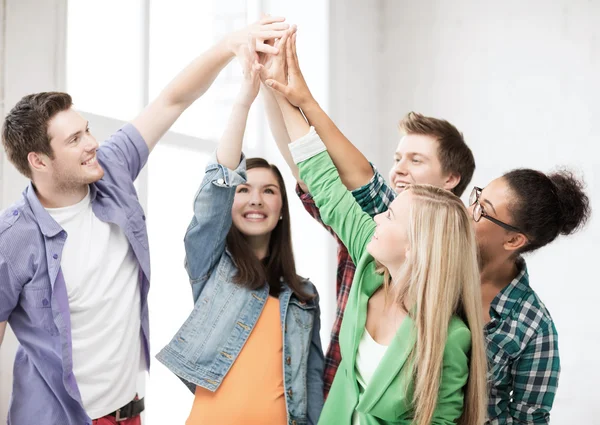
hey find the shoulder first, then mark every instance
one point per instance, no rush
(459, 336)
(529, 319)
(308, 287)
(533, 313)
(21, 240)
(17, 218)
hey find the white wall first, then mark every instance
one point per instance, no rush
(520, 79)
(354, 80)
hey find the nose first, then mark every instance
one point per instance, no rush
(91, 143)
(256, 199)
(400, 167)
(377, 218)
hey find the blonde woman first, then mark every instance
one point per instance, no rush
(411, 340)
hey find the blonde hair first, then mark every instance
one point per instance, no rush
(441, 276)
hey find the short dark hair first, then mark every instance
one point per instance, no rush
(545, 206)
(25, 127)
(454, 154)
(252, 272)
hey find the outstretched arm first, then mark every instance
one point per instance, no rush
(354, 168)
(229, 149)
(198, 76)
(206, 236)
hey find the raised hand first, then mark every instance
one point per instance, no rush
(275, 65)
(251, 84)
(293, 86)
(261, 33)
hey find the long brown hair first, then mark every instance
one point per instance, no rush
(252, 272)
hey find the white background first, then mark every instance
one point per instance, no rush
(519, 79)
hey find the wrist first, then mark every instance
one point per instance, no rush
(242, 103)
(309, 104)
(229, 45)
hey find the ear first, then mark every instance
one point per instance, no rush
(515, 241)
(452, 180)
(38, 161)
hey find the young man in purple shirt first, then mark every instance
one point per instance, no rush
(74, 260)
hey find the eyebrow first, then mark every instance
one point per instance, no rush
(77, 133)
(411, 154)
(266, 185)
(485, 201)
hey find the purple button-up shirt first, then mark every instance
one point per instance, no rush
(33, 294)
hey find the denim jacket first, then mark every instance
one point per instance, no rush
(224, 314)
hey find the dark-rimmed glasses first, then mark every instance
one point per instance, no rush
(479, 212)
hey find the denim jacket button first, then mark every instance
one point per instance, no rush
(290, 393)
(294, 423)
(220, 181)
(288, 360)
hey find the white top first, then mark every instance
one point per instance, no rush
(101, 275)
(369, 355)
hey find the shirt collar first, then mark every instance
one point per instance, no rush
(509, 296)
(48, 225)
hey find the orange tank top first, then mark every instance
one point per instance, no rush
(252, 392)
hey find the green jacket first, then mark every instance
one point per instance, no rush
(387, 399)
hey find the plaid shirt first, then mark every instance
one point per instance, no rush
(374, 197)
(523, 356)
(522, 343)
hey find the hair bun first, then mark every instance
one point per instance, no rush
(574, 203)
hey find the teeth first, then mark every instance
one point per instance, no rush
(252, 215)
(90, 161)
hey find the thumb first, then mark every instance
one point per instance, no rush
(277, 86)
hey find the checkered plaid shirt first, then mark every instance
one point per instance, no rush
(523, 356)
(374, 198)
(522, 342)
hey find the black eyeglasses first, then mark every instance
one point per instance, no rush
(479, 212)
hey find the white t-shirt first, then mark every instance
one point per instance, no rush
(102, 279)
(369, 355)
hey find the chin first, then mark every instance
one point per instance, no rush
(399, 190)
(254, 232)
(369, 249)
(95, 176)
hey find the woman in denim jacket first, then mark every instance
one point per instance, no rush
(250, 349)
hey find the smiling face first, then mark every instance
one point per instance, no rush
(416, 161)
(257, 204)
(74, 163)
(390, 242)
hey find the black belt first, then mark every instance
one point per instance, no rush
(130, 410)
